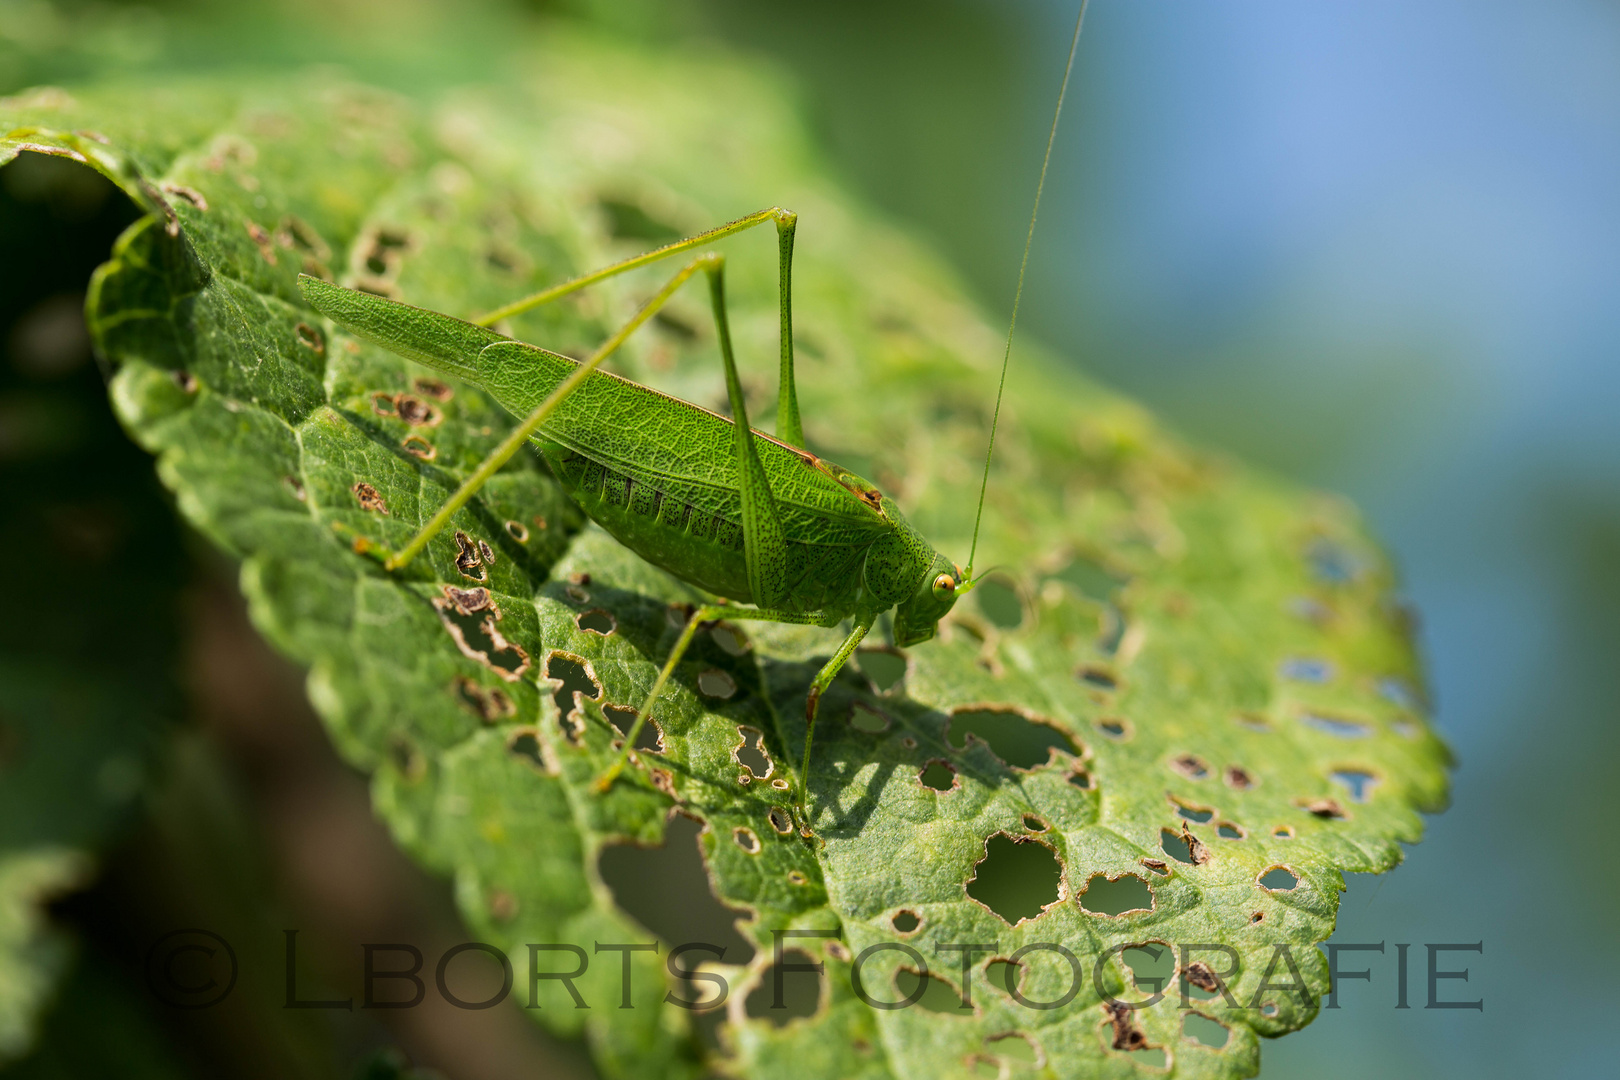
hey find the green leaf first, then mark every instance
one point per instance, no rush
(1183, 657)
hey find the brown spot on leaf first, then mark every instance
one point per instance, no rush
(416, 412)
(263, 241)
(1326, 809)
(433, 388)
(1127, 1036)
(185, 194)
(185, 380)
(1202, 976)
(468, 559)
(1239, 778)
(1191, 766)
(368, 497)
(467, 601)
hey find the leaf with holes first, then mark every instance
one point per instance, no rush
(1186, 707)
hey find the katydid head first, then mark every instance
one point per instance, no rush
(917, 619)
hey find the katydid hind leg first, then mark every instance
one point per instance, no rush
(764, 538)
(788, 426)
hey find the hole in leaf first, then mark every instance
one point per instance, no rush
(932, 993)
(905, 921)
(418, 447)
(470, 617)
(666, 889)
(1080, 779)
(746, 839)
(1114, 729)
(1305, 669)
(1152, 965)
(1192, 811)
(1158, 866)
(1279, 879)
(1331, 562)
(938, 775)
(596, 621)
(1336, 726)
(1398, 691)
(801, 991)
(1016, 879)
(1258, 916)
(780, 821)
(1097, 678)
(1359, 782)
(866, 719)
(1228, 831)
(1191, 766)
(525, 743)
(751, 754)
(1034, 824)
(999, 602)
(1124, 894)
(1201, 1029)
(1003, 975)
(518, 531)
(730, 639)
(1020, 742)
(884, 669)
(1268, 1009)
(623, 718)
(796, 877)
(575, 677)
(1185, 847)
(716, 683)
(1283, 832)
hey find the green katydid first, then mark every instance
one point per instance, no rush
(754, 518)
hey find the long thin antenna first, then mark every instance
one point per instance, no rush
(1006, 356)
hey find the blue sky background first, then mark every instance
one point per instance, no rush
(1377, 247)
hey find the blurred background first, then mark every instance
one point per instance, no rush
(1374, 248)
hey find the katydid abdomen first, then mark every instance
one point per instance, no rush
(658, 473)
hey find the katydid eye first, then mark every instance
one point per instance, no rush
(944, 587)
